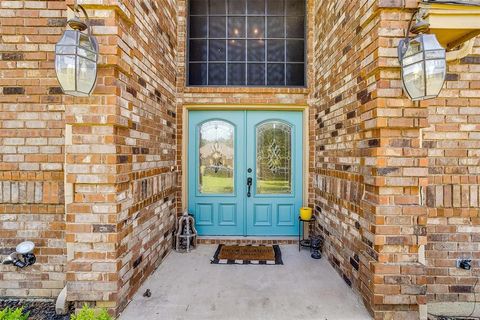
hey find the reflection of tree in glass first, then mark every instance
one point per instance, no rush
(216, 157)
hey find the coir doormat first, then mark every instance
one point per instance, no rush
(248, 254)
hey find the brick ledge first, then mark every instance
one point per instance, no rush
(251, 90)
(246, 240)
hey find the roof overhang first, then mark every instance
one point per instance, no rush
(453, 22)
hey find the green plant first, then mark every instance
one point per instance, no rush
(87, 313)
(13, 314)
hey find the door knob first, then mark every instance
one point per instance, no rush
(249, 186)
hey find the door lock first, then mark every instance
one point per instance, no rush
(249, 186)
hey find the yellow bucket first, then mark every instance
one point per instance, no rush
(305, 213)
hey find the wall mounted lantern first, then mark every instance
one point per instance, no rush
(76, 56)
(423, 62)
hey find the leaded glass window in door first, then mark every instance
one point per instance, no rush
(274, 158)
(216, 157)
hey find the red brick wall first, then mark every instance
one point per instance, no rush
(379, 164)
(338, 181)
(118, 147)
(31, 146)
(369, 166)
(120, 158)
(452, 196)
(97, 171)
(146, 225)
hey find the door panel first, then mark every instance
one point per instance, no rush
(204, 214)
(274, 153)
(227, 149)
(227, 214)
(216, 186)
(262, 215)
(286, 215)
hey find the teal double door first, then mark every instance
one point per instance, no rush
(245, 172)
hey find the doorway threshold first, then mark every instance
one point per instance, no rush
(247, 240)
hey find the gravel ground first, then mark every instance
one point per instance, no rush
(39, 309)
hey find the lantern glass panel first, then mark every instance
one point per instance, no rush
(436, 72)
(413, 48)
(84, 42)
(86, 53)
(60, 49)
(414, 80)
(69, 38)
(413, 59)
(85, 77)
(67, 43)
(430, 42)
(435, 54)
(65, 67)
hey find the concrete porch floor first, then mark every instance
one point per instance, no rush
(187, 286)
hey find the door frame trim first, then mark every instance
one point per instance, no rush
(234, 107)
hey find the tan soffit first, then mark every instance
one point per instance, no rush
(453, 24)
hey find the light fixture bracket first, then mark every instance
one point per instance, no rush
(420, 25)
(76, 24)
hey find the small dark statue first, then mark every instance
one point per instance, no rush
(316, 243)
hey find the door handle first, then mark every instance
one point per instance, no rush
(249, 186)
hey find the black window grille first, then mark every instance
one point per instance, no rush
(246, 43)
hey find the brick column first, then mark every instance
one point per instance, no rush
(94, 201)
(120, 155)
(370, 168)
(395, 176)
(96, 172)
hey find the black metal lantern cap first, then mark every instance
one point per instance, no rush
(76, 56)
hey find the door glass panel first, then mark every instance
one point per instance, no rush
(216, 157)
(274, 174)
